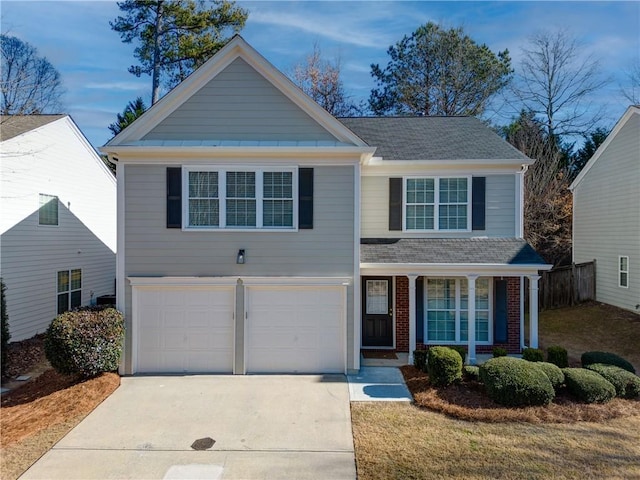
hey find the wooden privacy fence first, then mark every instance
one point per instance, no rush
(568, 286)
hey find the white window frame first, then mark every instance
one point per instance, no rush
(436, 203)
(69, 290)
(52, 198)
(458, 310)
(622, 272)
(222, 197)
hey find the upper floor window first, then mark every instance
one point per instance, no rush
(437, 203)
(233, 198)
(48, 211)
(623, 271)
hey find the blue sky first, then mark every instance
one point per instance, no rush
(76, 38)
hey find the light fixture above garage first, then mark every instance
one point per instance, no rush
(240, 257)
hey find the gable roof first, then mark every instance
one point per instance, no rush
(496, 251)
(236, 48)
(13, 125)
(631, 111)
(432, 138)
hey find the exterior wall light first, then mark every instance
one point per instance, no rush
(240, 257)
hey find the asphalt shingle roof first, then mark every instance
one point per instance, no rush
(506, 251)
(14, 125)
(431, 138)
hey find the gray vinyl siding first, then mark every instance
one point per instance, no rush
(500, 210)
(239, 104)
(607, 217)
(31, 257)
(327, 250)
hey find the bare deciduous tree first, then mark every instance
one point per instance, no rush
(29, 83)
(556, 83)
(631, 91)
(320, 79)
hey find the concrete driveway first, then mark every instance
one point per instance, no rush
(264, 427)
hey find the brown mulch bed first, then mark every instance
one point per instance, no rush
(468, 401)
(23, 356)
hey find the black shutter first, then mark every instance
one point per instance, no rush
(174, 197)
(420, 310)
(305, 198)
(500, 315)
(478, 194)
(395, 204)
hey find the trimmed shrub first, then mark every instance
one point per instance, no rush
(589, 358)
(420, 359)
(461, 350)
(499, 352)
(444, 366)
(533, 355)
(627, 384)
(85, 342)
(558, 356)
(515, 382)
(553, 373)
(5, 336)
(588, 386)
(471, 373)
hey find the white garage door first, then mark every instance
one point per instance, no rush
(295, 329)
(185, 329)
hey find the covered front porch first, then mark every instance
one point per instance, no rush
(477, 304)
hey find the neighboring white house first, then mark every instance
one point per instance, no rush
(257, 233)
(57, 221)
(606, 214)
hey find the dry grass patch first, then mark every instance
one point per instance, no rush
(396, 440)
(468, 401)
(592, 326)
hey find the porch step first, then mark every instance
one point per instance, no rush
(403, 359)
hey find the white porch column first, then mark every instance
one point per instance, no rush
(412, 316)
(471, 307)
(521, 312)
(533, 310)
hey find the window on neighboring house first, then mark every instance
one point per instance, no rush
(437, 204)
(241, 199)
(623, 271)
(447, 303)
(69, 290)
(48, 211)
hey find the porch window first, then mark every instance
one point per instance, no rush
(446, 312)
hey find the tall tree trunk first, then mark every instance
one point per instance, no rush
(155, 79)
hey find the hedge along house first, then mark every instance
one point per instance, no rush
(247, 214)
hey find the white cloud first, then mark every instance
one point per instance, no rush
(128, 86)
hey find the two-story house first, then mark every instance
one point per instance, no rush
(258, 233)
(57, 221)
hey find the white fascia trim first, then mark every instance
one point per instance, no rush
(516, 162)
(415, 169)
(182, 281)
(92, 151)
(297, 281)
(236, 48)
(150, 154)
(632, 110)
(443, 269)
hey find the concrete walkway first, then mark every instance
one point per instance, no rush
(264, 427)
(378, 384)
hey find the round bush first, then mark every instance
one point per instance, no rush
(588, 386)
(627, 384)
(533, 354)
(85, 342)
(558, 356)
(514, 382)
(553, 373)
(499, 352)
(444, 366)
(589, 358)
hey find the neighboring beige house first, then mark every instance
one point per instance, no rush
(258, 233)
(57, 221)
(606, 214)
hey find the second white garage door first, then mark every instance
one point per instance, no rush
(295, 329)
(185, 329)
